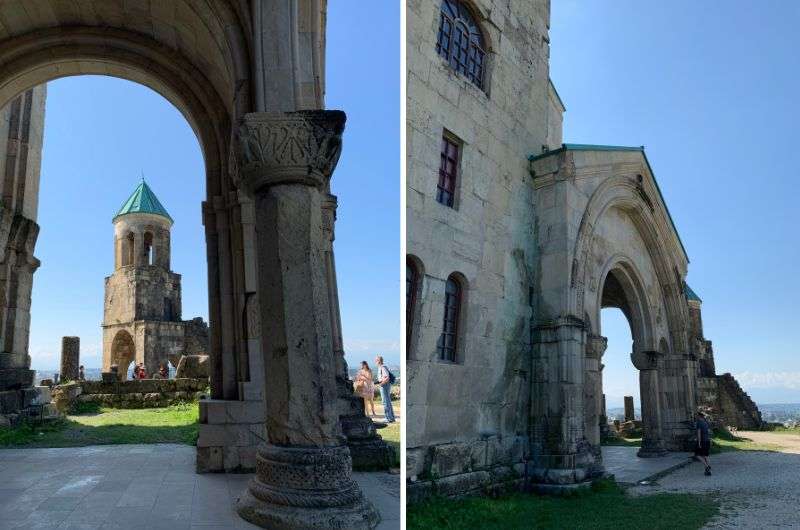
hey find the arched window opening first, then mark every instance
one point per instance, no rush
(460, 41)
(448, 341)
(412, 284)
(148, 248)
(448, 172)
(127, 250)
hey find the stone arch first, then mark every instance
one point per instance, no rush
(627, 194)
(647, 290)
(123, 352)
(203, 68)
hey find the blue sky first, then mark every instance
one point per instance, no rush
(101, 133)
(712, 95)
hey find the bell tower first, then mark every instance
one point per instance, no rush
(142, 310)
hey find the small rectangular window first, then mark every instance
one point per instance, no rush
(448, 173)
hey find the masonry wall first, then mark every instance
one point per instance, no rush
(467, 421)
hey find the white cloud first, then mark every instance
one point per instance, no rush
(790, 380)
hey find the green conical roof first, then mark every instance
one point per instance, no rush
(143, 200)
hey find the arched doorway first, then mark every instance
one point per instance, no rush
(123, 352)
(606, 239)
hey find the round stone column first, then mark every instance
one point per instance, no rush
(304, 470)
(650, 394)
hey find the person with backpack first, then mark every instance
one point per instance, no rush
(703, 440)
(385, 380)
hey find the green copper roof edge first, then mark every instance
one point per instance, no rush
(592, 147)
(690, 294)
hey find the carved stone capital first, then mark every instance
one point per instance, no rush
(596, 346)
(271, 148)
(646, 360)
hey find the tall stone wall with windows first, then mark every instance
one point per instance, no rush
(468, 420)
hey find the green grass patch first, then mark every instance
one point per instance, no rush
(391, 435)
(93, 425)
(625, 442)
(606, 506)
(724, 441)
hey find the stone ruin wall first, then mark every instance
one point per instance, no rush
(144, 393)
(471, 433)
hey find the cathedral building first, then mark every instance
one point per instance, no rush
(142, 309)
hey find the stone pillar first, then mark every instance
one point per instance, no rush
(303, 477)
(630, 413)
(593, 389)
(367, 449)
(652, 438)
(561, 455)
(70, 358)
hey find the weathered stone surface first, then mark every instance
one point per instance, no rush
(629, 412)
(70, 358)
(193, 366)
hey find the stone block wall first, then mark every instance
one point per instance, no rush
(230, 433)
(485, 238)
(143, 393)
(728, 404)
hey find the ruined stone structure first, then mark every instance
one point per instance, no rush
(249, 76)
(720, 396)
(70, 358)
(142, 309)
(516, 242)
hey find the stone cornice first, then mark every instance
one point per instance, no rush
(287, 148)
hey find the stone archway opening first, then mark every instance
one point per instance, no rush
(123, 352)
(622, 290)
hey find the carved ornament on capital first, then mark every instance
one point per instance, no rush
(271, 148)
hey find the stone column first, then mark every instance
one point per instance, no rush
(561, 455)
(652, 438)
(367, 449)
(630, 413)
(593, 389)
(70, 358)
(303, 477)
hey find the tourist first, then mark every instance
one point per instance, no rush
(81, 375)
(364, 386)
(163, 372)
(136, 371)
(385, 380)
(142, 371)
(703, 440)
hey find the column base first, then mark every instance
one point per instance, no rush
(652, 450)
(305, 487)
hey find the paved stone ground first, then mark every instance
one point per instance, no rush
(630, 469)
(756, 489)
(137, 487)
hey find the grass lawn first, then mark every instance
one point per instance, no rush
(101, 425)
(725, 443)
(606, 506)
(391, 434)
(626, 442)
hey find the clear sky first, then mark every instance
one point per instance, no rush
(713, 96)
(100, 135)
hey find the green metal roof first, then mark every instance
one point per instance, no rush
(592, 147)
(143, 200)
(690, 295)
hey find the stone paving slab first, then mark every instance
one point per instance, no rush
(131, 487)
(628, 468)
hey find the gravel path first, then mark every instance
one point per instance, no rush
(755, 489)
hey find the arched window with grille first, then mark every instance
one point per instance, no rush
(412, 285)
(460, 41)
(448, 341)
